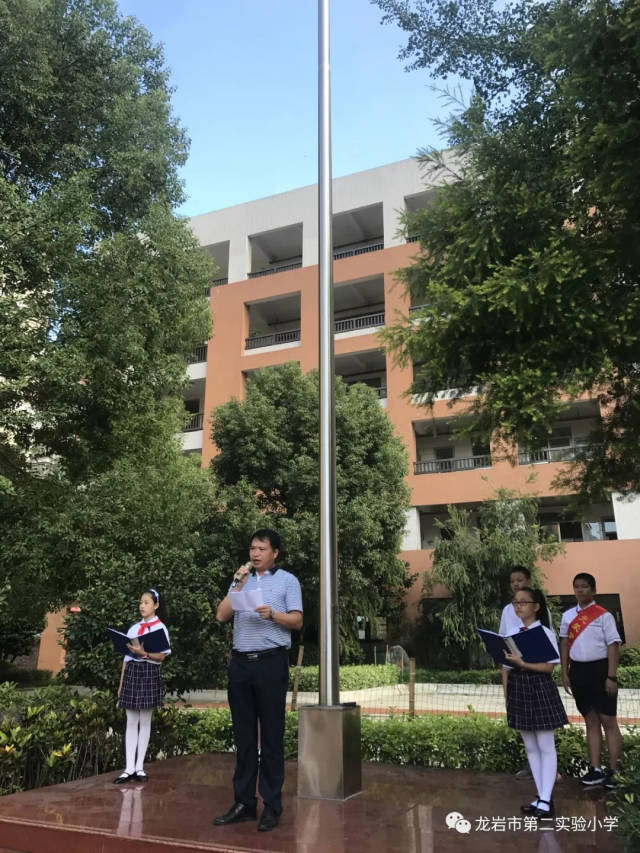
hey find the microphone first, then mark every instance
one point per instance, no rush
(238, 577)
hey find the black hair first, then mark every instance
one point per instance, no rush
(158, 599)
(266, 534)
(585, 576)
(523, 571)
(538, 597)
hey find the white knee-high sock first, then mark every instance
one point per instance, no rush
(533, 755)
(144, 733)
(131, 740)
(548, 763)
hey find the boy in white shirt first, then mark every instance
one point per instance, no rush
(589, 653)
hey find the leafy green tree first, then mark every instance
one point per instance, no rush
(529, 258)
(101, 286)
(142, 524)
(473, 562)
(267, 475)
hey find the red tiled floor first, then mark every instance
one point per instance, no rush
(401, 810)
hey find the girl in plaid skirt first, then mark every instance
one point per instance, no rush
(534, 706)
(140, 689)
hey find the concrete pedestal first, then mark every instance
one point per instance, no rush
(329, 763)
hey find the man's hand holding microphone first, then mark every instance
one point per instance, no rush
(241, 576)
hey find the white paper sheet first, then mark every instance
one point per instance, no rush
(246, 599)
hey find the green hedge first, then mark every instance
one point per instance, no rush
(625, 799)
(629, 655)
(628, 676)
(352, 677)
(22, 676)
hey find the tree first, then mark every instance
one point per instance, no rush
(267, 475)
(473, 562)
(529, 258)
(141, 524)
(101, 286)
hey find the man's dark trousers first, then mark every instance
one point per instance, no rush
(258, 691)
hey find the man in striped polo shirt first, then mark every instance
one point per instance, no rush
(258, 677)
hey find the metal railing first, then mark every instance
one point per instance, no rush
(194, 423)
(362, 321)
(199, 355)
(445, 466)
(349, 253)
(382, 393)
(412, 238)
(415, 308)
(551, 454)
(273, 270)
(258, 341)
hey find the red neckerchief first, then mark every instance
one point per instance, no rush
(146, 625)
(582, 620)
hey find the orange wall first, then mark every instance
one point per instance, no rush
(226, 358)
(51, 653)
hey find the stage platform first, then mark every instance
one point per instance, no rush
(401, 810)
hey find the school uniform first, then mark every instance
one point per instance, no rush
(533, 700)
(142, 686)
(590, 631)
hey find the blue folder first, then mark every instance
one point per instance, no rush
(533, 645)
(153, 641)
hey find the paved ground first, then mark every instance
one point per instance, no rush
(400, 810)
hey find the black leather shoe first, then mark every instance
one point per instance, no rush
(269, 820)
(538, 812)
(236, 814)
(529, 808)
(124, 777)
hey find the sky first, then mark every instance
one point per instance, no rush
(245, 78)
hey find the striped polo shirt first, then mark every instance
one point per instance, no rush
(281, 591)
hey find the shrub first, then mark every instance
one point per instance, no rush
(24, 677)
(625, 800)
(54, 735)
(473, 742)
(453, 676)
(630, 655)
(355, 677)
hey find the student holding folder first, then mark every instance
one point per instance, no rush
(141, 689)
(534, 706)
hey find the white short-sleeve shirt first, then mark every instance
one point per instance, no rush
(592, 642)
(510, 622)
(133, 634)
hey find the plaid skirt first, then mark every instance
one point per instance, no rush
(533, 702)
(142, 686)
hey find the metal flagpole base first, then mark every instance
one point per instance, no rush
(329, 763)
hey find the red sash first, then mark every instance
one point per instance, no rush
(582, 620)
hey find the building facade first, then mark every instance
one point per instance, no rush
(264, 303)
